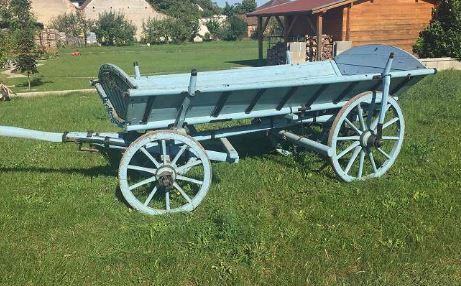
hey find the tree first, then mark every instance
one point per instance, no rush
(443, 35)
(246, 6)
(112, 29)
(5, 38)
(234, 29)
(24, 29)
(228, 10)
(169, 30)
(74, 24)
(214, 27)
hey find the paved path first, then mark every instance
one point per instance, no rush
(44, 93)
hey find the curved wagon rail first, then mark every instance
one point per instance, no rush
(165, 168)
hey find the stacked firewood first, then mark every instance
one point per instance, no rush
(277, 54)
(327, 51)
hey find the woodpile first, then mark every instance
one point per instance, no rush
(5, 93)
(327, 51)
(277, 54)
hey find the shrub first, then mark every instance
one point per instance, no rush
(74, 24)
(233, 29)
(170, 30)
(113, 29)
(214, 28)
(443, 35)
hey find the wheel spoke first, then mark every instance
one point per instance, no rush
(353, 158)
(373, 163)
(371, 110)
(190, 180)
(348, 149)
(361, 163)
(167, 200)
(384, 153)
(142, 183)
(390, 122)
(148, 155)
(176, 158)
(348, 138)
(164, 151)
(375, 123)
(361, 119)
(181, 191)
(142, 169)
(151, 196)
(391, 138)
(189, 165)
(352, 126)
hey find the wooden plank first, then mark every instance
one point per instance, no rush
(148, 110)
(319, 36)
(255, 100)
(287, 97)
(317, 94)
(260, 39)
(220, 104)
(350, 87)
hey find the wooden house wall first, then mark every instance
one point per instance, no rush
(391, 22)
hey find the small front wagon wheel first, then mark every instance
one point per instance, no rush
(358, 152)
(165, 172)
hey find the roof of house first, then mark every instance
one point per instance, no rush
(281, 7)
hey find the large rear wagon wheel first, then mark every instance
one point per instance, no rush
(358, 152)
(165, 172)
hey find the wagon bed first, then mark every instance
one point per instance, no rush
(254, 91)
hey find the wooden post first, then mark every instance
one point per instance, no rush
(319, 36)
(260, 40)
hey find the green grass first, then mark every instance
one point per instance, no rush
(65, 72)
(268, 220)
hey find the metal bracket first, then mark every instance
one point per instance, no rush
(386, 87)
(180, 118)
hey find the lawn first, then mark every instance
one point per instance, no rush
(66, 72)
(270, 219)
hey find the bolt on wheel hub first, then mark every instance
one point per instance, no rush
(166, 176)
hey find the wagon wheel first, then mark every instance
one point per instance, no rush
(165, 172)
(358, 152)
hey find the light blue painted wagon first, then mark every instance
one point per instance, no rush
(165, 168)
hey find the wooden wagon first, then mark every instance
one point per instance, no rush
(166, 169)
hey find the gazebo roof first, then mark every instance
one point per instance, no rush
(283, 7)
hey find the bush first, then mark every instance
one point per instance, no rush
(234, 29)
(74, 24)
(443, 36)
(170, 30)
(214, 28)
(113, 29)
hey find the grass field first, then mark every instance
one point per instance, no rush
(65, 72)
(269, 220)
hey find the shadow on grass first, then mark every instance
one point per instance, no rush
(248, 63)
(257, 145)
(106, 171)
(38, 81)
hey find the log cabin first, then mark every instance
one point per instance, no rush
(360, 22)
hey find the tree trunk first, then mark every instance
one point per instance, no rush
(28, 79)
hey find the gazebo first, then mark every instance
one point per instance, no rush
(389, 22)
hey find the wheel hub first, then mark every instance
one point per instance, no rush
(368, 139)
(166, 176)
